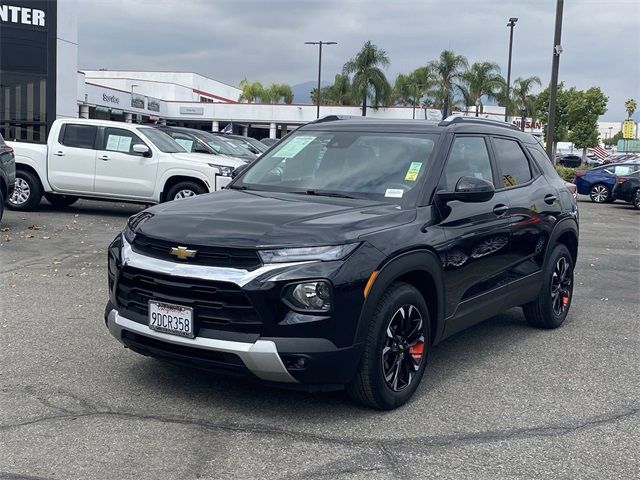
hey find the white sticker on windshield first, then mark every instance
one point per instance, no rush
(184, 143)
(394, 193)
(294, 146)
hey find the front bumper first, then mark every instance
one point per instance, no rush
(260, 357)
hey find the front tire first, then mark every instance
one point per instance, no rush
(27, 193)
(551, 307)
(636, 200)
(60, 200)
(183, 190)
(395, 353)
(600, 193)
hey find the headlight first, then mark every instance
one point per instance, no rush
(324, 254)
(133, 223)
(222, 170)
(310, 296)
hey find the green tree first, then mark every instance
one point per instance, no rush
(613, 140)
(583, 110)
(369, 81)
(277, 92)
(448, 70)
(523, 100)
(630, 106)
(481, 79)
(561, 130)
(251, 91)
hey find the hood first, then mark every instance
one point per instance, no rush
(207, 158)
(245, 219)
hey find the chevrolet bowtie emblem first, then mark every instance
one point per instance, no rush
(182, 253)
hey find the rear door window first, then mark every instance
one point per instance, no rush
(512, 162)
(79, 136)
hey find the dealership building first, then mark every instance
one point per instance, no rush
(40, 81)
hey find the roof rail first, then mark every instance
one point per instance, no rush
(486, 121)
(332, 118)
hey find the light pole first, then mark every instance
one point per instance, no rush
(553, 86)
(511, 24)
(320, 43)
(415, 98)
(478, 104)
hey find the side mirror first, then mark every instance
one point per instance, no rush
(469, 189)
(238, 170)
(141, 149)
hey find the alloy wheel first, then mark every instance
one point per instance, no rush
(561, 286)
(185, 193)
(599, 193)
(403, 350)
(21, 193)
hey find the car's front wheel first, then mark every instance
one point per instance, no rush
(183, 190)
(636, 199)
(599, 193)
(395, 353)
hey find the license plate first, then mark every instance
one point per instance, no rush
(171, 319)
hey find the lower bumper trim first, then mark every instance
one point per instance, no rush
(261, 357)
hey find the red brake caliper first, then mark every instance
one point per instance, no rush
(417, 350)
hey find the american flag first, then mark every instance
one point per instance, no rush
(599, 152)
(228, 128)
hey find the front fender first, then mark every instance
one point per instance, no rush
(208, 180)
(424, 261)
(36, 166)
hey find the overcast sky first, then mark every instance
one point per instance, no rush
(264, 39)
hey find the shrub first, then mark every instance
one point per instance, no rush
(568, 173)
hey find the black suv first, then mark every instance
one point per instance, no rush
(7, 173)
(344, 253)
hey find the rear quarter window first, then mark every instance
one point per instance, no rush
(543, 162)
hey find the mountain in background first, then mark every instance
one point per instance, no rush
(302, 91)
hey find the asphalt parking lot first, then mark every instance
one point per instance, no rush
(500, 400)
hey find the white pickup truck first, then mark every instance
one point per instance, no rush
(117, 161)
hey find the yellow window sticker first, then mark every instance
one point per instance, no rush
(412, 173)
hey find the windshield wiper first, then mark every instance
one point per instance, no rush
(325, 193)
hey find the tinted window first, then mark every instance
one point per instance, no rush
(79, 136)
(513, 164)
(120, 140)
(161, 140)
(543, 162)
(468, 158)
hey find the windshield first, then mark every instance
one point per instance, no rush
(161, 140)
(218, 145)
(240, 145)
(383, 166)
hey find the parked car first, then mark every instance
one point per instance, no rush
(569, 160)
(627, 189)
(270, 141)
(251, 144)
(107, 160)
(7, 173)
(598, 182)
(344, 253)
(199, 141)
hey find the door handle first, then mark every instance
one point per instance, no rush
(59, 153)
(550, 199)
(500, 209)
(104, 158)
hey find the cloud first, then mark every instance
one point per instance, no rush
(264, 40)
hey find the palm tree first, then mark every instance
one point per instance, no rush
(251, 91)
(369, 81)
(413, 88)
(448, 74)
(341, 93)
(523, 100)
(630, 106)
(482, 79)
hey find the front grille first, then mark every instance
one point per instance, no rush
(216, 305)
(210, 256)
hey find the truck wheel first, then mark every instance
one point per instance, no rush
(395, 353)
(60, 200)
(551, 307)
(27, 193)
(184, 190)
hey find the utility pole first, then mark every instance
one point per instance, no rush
(511, 24)
(320, 43)
(553, 86)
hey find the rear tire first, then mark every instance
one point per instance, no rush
(600, 193)
(551, 307)
(184, 190)
(395, 352)
(60, 200)
(27, 193)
